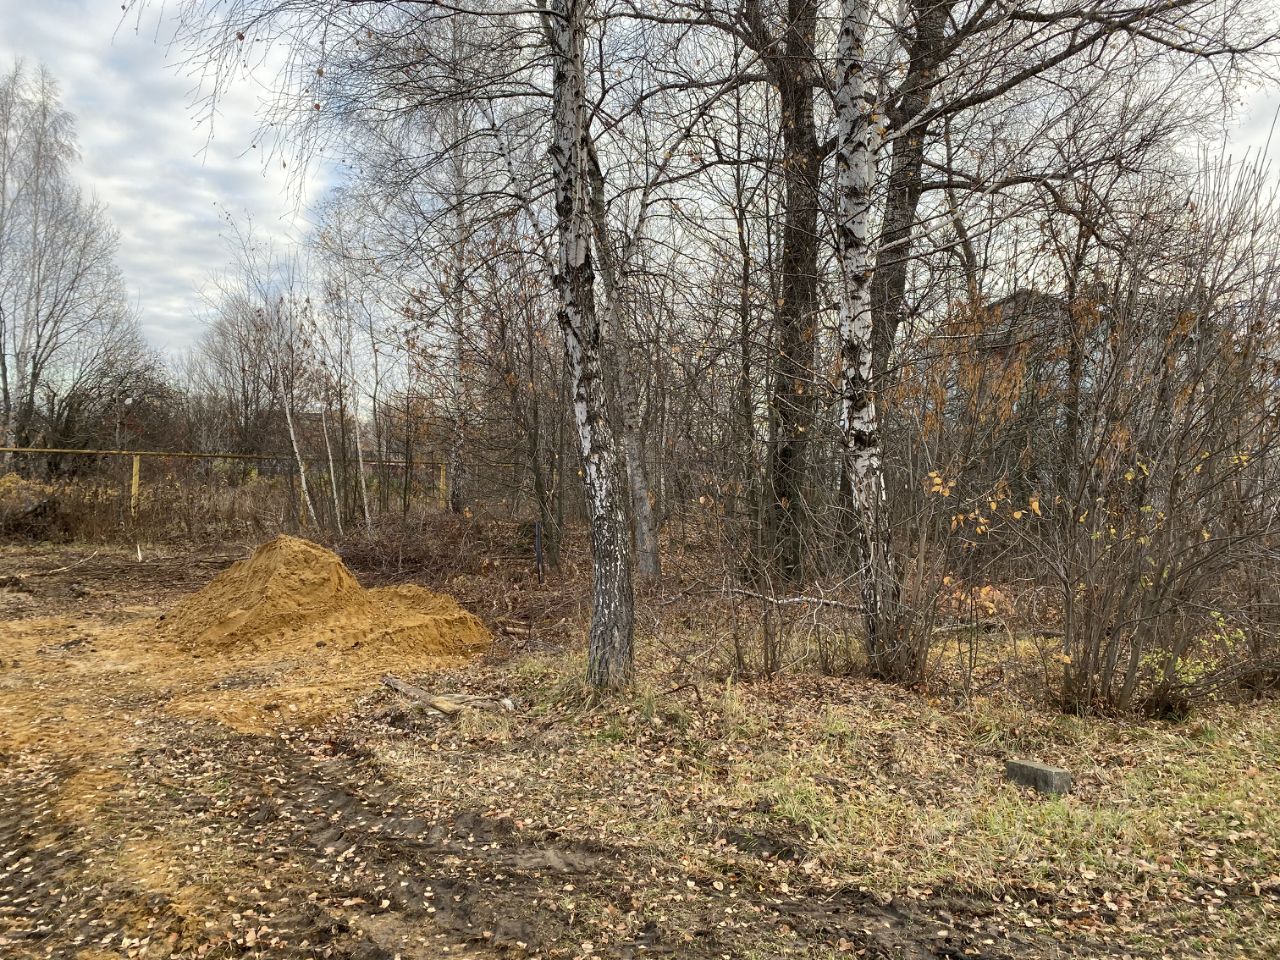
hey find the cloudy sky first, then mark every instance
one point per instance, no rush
(145, 153)
(168, 183)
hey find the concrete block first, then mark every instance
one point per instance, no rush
(1038, 776)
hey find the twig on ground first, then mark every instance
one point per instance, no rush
(447, 704)
(69, 566)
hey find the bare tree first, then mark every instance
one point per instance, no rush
(68, 343)
(745, 212)
(610, 654)
(889, 652)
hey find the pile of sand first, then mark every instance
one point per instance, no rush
(293, 593)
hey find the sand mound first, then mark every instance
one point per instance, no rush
(292, 592)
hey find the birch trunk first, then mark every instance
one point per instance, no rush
(889, 653)
(610, 655)
(613, 338)
(364, 487)
(302, 464)
(333, 473)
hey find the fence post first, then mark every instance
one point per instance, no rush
(134, 487)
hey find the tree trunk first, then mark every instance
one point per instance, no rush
(364, 486)
(610, 657)
(644, 518)
(889, 285)
(906, 178)
(793, 386)
(302, 464)
(458, 296)
(621, 366)
(889, 653)
(333, 473)
(743, 429)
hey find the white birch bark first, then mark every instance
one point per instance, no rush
(364, 486)
(614, 276)
(888, 652)
(610, 653)
(302, 464)
(333, 473)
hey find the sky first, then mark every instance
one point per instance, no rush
(169, 184)
(144, 151)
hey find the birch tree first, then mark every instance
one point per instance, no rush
(609, 654)
(700, 165)
(66, 333)
(889, 651)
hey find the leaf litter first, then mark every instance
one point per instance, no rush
(160, 803)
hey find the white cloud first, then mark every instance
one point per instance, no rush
(146, 154)
(1256, 130)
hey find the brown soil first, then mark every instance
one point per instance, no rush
(137, 719)
(293, 595)
(288, 632)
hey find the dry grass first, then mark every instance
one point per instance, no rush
(1170, 838)
(804, 816)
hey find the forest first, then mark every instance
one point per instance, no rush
(717, 478)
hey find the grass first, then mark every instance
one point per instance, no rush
(780, 816)
(1171, 835)
(483, 726)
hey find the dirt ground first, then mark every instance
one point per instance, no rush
(158, 804)
(154, 804)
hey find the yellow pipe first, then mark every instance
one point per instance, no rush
(147, 453)
(135, 486)
(184, 453)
